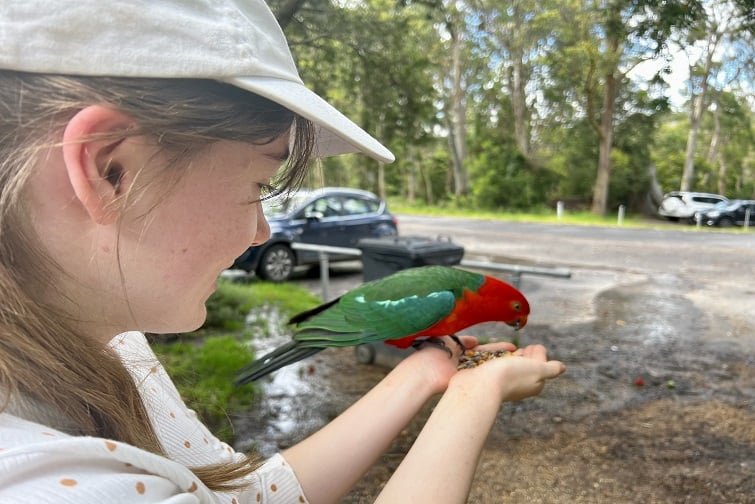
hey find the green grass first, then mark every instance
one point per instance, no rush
(228, 306)
(204, 363)
(203, 373)
(548, 216)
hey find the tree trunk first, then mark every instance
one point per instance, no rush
(603, 178)
(654, 195)
(457, 113)
(517, 83)
(722, 172)
(411, 176)
(696, 115)
(715, 139)
(285, 13)
(714, 149)
(688, 174)
(428, 185)
(381, 180)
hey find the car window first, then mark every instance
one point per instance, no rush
(329, 206)
(706, 199)
(283, 204)
(359, 206)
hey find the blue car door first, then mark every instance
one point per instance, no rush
(324, 222)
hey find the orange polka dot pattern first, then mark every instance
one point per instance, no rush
(99, 468)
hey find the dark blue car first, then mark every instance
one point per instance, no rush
(730, 213)
(334, 216)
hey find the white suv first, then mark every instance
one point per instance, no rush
(683, 205)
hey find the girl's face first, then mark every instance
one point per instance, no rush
(173, 245)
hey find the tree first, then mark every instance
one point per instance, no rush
(595, 51)
(371, 61)
(722, 24)
(454, 86)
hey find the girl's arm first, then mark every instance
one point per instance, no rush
(440, 466)
(331, 461)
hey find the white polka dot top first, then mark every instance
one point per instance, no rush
(39, 464)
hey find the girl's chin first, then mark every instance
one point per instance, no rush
(190, 323)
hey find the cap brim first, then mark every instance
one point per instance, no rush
(336, 133)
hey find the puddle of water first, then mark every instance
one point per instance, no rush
(290, 400)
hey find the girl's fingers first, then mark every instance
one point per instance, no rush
(469, 341)
(553, 369)
(492, 347)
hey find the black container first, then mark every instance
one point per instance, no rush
(383, 256)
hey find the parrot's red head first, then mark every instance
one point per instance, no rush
(504, 302)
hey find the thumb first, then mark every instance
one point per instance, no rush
(553, 369)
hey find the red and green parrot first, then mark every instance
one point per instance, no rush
(404, 309)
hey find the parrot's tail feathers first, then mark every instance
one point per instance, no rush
(278, 358)
(301, 317)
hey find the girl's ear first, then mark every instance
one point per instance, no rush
(94, 159)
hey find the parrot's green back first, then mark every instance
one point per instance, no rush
(388, 308)
(391, 308)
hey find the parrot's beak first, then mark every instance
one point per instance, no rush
(518, 323)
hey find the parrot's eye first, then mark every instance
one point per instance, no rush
(517, 306)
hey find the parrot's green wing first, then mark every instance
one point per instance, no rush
(393, 307)
(390, 308)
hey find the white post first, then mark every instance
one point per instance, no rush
(324, 276)
(698, 219)
(620, 219)
(747, 218)
(559, 209)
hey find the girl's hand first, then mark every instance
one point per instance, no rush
(437, 367)
(513, 378)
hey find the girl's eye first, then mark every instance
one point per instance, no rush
(268, 191)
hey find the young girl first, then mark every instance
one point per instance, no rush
(136, 140)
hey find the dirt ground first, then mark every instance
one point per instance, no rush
(667, 447)
(657, 404)
(685, 433)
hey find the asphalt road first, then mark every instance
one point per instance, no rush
(713, 270)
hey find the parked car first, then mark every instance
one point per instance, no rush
(730, 213)
(334, 216)
(682, 205)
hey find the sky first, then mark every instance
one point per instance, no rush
(677, 79)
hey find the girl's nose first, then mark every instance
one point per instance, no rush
(263, 228)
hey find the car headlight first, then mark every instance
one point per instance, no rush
(713, 214)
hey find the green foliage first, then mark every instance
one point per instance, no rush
(203, 373)
(386, 65)
(229, 305)
(502, 178)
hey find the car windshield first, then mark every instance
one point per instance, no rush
(282, 205)
(723, 205)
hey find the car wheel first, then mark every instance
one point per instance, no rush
(726, 222)
(384, 231)
(277, 263)
(365, 354)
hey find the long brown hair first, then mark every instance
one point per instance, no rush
(41, 356)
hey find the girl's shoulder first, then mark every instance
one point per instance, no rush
(42, 464)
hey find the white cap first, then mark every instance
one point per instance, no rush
(233, 41)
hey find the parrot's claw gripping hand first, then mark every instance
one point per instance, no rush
(458, 342)
(436, 342)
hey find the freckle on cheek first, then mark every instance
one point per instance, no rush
(105, 248)
(183, 251)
